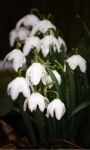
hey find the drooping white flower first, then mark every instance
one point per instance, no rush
(35, 72)
(77, 61)
(5, 65)
(42, 26)
(47, 80)
(48, 41)
(18, 34)
(36, 100)
(12, 37)
(57, 108)
(17, 57)
(28, 21)
(30, 43)
(18, 85)
(62, 42)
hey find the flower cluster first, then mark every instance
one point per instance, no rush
(38, 81)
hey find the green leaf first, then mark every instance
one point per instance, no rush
(55, 81)
(41, 125)
(71, 89)
(6, 104)
(28, 123)
(79, 108)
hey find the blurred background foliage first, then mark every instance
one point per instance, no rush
(76, 33)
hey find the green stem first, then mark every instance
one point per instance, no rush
(51, 91)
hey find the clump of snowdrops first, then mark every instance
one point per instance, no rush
(47, 76)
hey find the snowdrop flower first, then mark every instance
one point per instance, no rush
(56, 107)
(5, 65)
(61, 42)
(18, 85)
(17, 57)
(35, 72)
(18, 34)
(30, 43)
(36, 100)
(46, 42)
(12, 38)
(47, 80)
(28, 21)
(43, 27)
(75, 61)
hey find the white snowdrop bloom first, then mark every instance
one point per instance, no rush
(28, 21)
(18, 85)
(36, 100)
(5, 65)
(35, 73)
(43, 27)
(22, 33)
(12, 37)
(30, 43)
(57, 108)
(48, 41)
(18, 34)
(75, 61)
(47, 80)
(62, 42)
(17, 57)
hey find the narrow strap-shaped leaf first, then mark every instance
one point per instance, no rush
(72, 89)
(55, 81)
(54, 128)
(50, 128)
(40, 124)
(84, 25)
(28, 125)
(79, 108)
(52, 76)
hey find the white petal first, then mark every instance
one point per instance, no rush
(13, 89)
(41, 104)
(30, 43)
(82, 64)
(12, 37)
(75, 61)
(58, 76)
(48, 80)
(5, 65)
(32, 104)
(60, 110)
(42, 26)
(50, 109)
(22, 33)
(31, 20)
(35, 73)
(48, 41)
(25, 88)
(44, 49)
(18, 34)
(18, 85)
(57, 107)
(62, 42)
(17, 57)
(28, 21)
(36, 99)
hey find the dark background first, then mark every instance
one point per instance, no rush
(64, 12)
